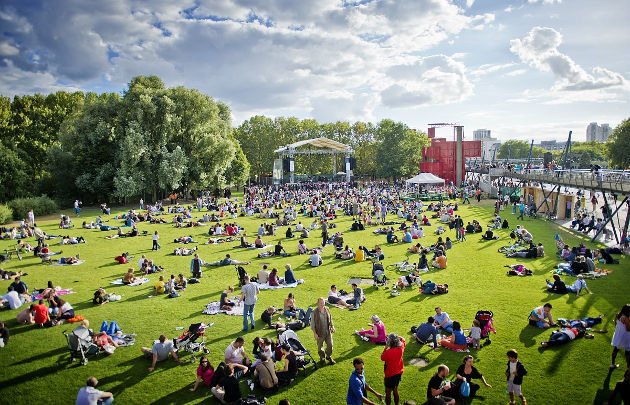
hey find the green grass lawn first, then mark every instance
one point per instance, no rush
(35, 368)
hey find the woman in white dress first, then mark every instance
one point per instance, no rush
(621, 338)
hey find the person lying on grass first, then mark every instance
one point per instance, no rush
(182, 251)
(572, 330)
(227, 261)
(123, 258)
(69, 260)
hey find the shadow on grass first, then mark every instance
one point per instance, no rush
(136, 373)
(181, 395)
(528, 333)
(603, 393)
(39, 373)
(41, 356)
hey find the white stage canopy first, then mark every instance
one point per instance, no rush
(425, 178)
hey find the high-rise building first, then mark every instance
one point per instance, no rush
(480, 134)
(597, 133)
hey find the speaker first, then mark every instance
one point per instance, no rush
(547, 158)
(285, 165)
(353, 163)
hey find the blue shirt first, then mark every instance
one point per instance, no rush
(460, 338)
(356, 389)
(289, 278)
(440, 318)
(425, 330)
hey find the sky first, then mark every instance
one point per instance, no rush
(525, 69)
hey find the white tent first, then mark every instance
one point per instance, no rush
(425, 178)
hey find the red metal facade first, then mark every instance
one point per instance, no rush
(439, 157)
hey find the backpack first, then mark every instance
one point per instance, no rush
(193, 280)
(173, 294)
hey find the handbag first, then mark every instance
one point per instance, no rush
(464, 389)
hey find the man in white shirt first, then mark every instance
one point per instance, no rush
(235, 353)
(315, 259)
(578, 285)
(89, 395)
(11, 299)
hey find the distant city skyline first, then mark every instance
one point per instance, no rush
(526, 69)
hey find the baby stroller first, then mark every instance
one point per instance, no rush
(188, 341)
(486, 323)
(378, 274)
(80, 344)
(291, 338)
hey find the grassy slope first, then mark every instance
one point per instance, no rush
(35, 363)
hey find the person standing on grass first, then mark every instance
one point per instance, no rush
(358, 387)
(156, 238)
(393, 357)
(77, 208)
(249, 296)
(515, 373)
(621, 337)
(89, 395)
(322, 327)
(31, 218)
(195, 266)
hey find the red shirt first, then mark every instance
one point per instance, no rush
(41, 313)
(393, 359)
(206, 375)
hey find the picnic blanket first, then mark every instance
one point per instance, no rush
(261, 248)
(590, 275)
(66, 264)
(136, 283)
(61, 291)
(214, 308)
(266, 286)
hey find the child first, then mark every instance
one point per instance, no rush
(514, 373)
(475, 334)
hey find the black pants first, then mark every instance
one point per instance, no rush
(155, 245)
(558, 338)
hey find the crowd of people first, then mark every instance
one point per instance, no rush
(375, 205)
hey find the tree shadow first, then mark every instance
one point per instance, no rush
(41, 356)
(136, 373)
(182, 395)
(528, 333)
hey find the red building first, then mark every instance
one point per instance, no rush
(441, 157)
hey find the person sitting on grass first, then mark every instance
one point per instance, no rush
(227, 390)
(358, 297)
(258, 243)
(290, 308)
(129, 278)
(442, 320)
(376, 334)
(557, 286)
(578, 285)
(224, 301)
(89, 395)
(160, 351)
(333, 297)
(541, 316)
(457, 341)
(181, 283)
(123, 258)
(265, 372)
(440, 260)
(289, 277)
(159, 287)
(26, 316)
(279, 250)
(290, 370)
(426, 332)
(205, 372)
(274, 280)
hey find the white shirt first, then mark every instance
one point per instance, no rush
(314, 259)
(578, 285)
(14, 299)
(88, 396)
(512, 369)
(233, 354)
(156, 236)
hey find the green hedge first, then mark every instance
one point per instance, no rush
(40, 206)
(6, 214)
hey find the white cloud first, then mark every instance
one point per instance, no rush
(516, 72)
(545, 1)
(490, 68)
(539, 49)
(436, 79)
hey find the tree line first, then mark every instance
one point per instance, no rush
(615, 152)
(386, 149)
(148, 141)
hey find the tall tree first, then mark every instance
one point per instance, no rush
(399, 150)
(619, 146)
(518, 150)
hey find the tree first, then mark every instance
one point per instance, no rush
(399, 149)
(13, 175)
(519, 150)
(256, 137)
(619, 146)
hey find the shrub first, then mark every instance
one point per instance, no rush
(6, 214)
(40, 206)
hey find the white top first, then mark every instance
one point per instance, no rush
(475, 332)
(156, 236)
(88, 396)
(314, 259)
(14, 299)
(512, 370)
(233, 354)
(578, 285)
